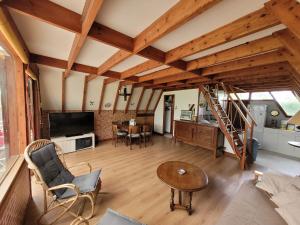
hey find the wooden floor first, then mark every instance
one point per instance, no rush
(131, 187)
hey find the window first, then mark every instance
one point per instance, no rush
(261, 96)
(242, 96)
(288, 101)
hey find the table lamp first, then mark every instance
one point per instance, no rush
(295, 120)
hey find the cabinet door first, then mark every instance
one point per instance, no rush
(204, 137)
(184, 131)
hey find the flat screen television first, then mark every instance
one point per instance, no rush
(71, 124)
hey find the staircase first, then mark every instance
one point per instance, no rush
(225, 116)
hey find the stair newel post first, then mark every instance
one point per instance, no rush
(243, 159)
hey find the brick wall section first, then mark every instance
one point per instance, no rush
(103, 122)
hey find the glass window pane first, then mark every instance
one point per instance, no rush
(242, 96)
(288, 101)
(261, 96)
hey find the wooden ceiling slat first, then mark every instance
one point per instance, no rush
(251, 23)
(245, 50)
(259, 60)
(179, 14)
(176, 77)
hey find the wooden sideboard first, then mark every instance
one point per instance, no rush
(204, 135)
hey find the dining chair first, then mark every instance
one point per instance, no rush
(134, 133)
(118, 134)
(147, 134)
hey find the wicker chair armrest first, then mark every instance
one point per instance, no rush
(68, 185)
(80, 221)
(86, 164)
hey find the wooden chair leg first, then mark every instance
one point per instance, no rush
(130, 142)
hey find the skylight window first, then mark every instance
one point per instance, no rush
(288, 101)
(261, 96)
(242, 96)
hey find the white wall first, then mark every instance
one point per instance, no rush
(94, 88)
(182, 100)
(74, 91)
(121, 105)
(145, 99)
(110, 94)
(135, 98)
(51, 87)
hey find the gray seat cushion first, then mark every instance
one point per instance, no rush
(85, 183)
(51, 168)
(134, 135)
(146, 133)
(112, 217)
(121, 133)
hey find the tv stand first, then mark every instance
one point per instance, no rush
(75, 143)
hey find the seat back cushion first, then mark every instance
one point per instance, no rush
(51, 168)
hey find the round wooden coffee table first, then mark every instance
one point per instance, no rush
(194, 179)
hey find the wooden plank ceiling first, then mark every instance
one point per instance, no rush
(264, 63)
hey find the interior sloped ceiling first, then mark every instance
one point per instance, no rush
(145, 99)
(217, 16)
(121, 102)
(131, 17)
(109, 96)
(94, 88)
(154, 100)
(135, 98)
(231, 44)
(51, 87)
(76, 6)
(128, 63)
(94, 53)
(74, 91)
(43, 38)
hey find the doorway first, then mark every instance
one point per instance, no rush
(168, 117)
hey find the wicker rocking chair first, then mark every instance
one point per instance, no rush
(46, 160)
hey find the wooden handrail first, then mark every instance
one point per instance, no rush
(237, 107)
(243, 105)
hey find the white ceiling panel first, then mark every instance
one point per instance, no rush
(43, 38)
(235, 43)
(131, 17)
(128, 63)
(219, 15)
(76, 6)
(153, 70)
(95, 53)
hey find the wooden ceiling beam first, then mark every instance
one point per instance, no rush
(62, 64)
(292, 44)
(91, 10)
(129, 99)
(179, 14)
(252, 48)
(182, 12)
(85, 87)
(259, 60)
(249, 24)
(288, 12)
(116, 97)
(48, 12)
(177, 77)
(148, 65)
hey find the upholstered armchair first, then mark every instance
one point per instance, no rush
(46, 160)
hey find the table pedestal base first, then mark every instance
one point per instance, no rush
(181, 203)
